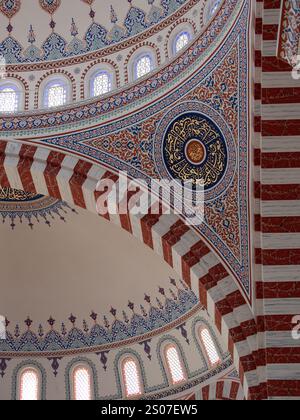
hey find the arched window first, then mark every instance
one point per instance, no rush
(209, 347)
(9, 98)
(101, 83)
(29, 385)
(213, 8)
(131, 378)
(55, 93)
(181, 40)
(82, 383)
(143, 65)
(175, 367)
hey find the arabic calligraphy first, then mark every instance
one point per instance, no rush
(10, 194)
(195, 150)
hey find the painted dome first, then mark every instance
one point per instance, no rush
(92, 25)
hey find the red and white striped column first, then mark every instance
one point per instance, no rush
(277, 194)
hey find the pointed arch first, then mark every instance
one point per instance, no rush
(41, 170)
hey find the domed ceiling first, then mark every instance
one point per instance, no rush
(72, 276)
(35, 30)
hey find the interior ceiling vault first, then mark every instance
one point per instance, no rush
(48, 271)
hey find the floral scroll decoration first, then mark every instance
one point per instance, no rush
(50, 6)
(92, 12)
(10, 8)
(118, 326)
(96, 36)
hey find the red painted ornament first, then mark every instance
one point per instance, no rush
(50, 6)
(10, 7)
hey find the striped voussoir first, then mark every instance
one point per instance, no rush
(221, 390)
(277, 207)
(41, 170)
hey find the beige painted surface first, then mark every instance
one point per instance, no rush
(82, 265)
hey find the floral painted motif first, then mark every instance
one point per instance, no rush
(132, 145)
(50, 6)
(10, 7)
(289, 33)
(89, 2)
(96, 37)
(134, 322)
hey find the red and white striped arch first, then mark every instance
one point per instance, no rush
(277, 207)
(267, 357)
(221, 390)
(40, 170)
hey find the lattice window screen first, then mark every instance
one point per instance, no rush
(175, 365)
(82, 384)
(56, 95)
(101, 84)
(29, 385)
(8, 100)
(181, 41)
(143, 66)
(210, 347)
(131, 378)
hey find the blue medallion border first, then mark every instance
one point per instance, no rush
(203, 110)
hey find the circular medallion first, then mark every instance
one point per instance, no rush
(194, 144)
(195, 152)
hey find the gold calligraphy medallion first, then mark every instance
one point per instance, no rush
(195, 150)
